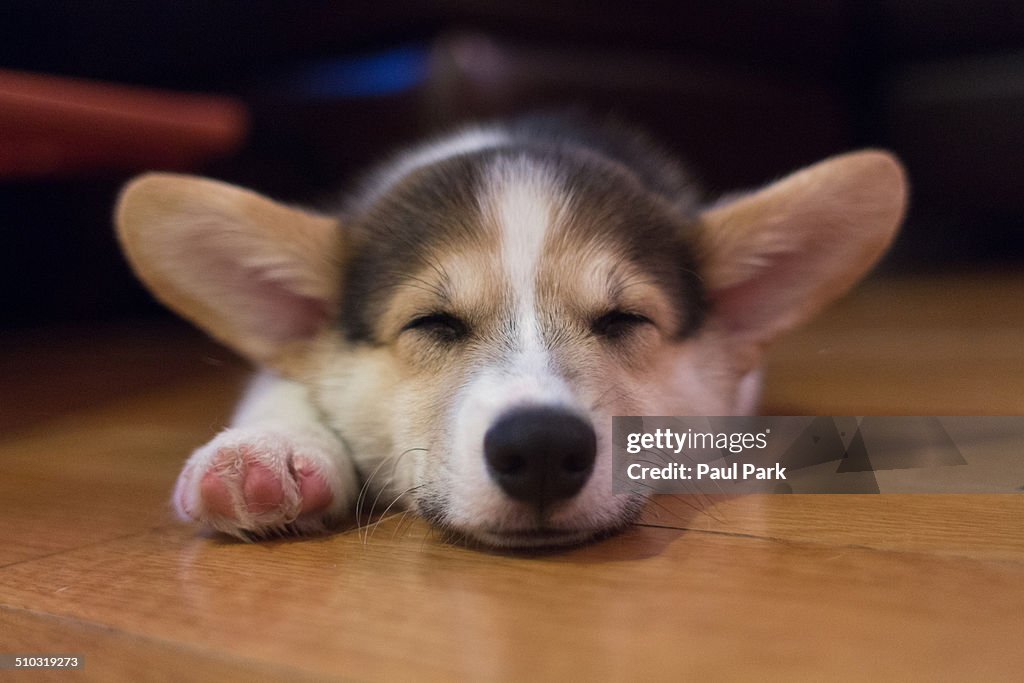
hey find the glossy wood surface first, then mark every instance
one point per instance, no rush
(96, 423)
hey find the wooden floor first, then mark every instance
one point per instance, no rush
(94, 425)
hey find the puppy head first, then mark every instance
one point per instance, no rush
(470, 330)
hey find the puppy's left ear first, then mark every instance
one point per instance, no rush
(257, 275)
(775, 257)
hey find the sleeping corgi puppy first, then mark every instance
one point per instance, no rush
(456, 337)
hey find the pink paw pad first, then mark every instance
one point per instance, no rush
(262, 491)
(313, 487)
(255, 482)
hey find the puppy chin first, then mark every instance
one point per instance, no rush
(537, 539)
(521, 530)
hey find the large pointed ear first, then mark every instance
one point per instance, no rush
(775, 257)
(259, 276)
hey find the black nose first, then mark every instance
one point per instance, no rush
(540, 455)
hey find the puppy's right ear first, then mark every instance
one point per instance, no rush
(257, 275)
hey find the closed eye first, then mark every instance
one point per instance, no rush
(617, 324)
(443, 327)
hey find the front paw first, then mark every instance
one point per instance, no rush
(255, 483)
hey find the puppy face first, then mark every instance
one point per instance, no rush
(533, 283)
(472, 322)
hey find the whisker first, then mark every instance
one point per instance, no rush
(360, 499)
(403, 522)
(394, 466)
(617, 394)
(384, 515)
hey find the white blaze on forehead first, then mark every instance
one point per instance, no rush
(522, 201)
(523, 198)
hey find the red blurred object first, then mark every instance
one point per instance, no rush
(52, 125)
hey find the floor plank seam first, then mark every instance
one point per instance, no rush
(186, 649)
(1008, 562)
(63, 551)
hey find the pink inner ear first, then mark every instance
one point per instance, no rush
(259, 304)
(735, 306)
(282, 315)
(772, 299)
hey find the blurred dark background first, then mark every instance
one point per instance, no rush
(745, 90)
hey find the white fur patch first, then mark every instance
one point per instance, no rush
(521, 199)
(275, 427)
